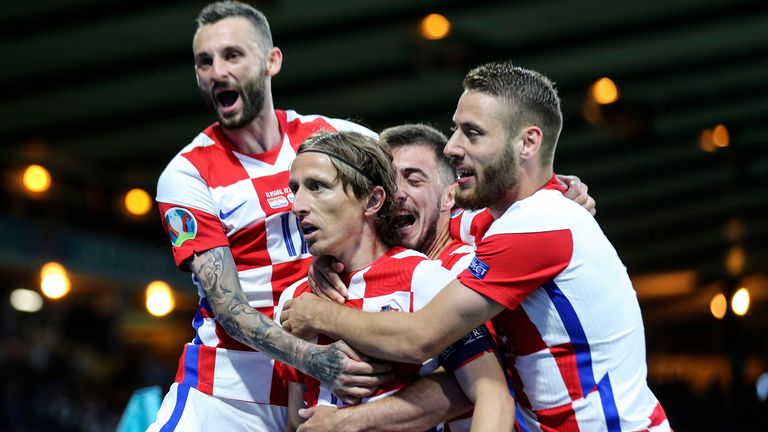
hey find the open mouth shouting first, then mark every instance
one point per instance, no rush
(228, 101)
(405, 218)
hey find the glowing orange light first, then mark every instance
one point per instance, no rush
(434, 27)
(740, 302)
(720, 136)
(160, 299)
(138, 202)
(706, 142)
(54, 281)
(36, 179)
(604, 91)
(718, 306)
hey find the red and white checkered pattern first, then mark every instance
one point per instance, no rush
(572, 329)
(241, 201)
(400, 280)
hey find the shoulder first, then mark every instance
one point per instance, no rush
(546, 210)
(307, 124)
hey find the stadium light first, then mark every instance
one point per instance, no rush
(604, 91)
(26, 300)
(54, 280)
(159, 298)
(740, 302)
(36, 179)
(435, 27)
(137, 202)
(718, 306)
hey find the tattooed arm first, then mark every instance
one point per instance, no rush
(337, 366)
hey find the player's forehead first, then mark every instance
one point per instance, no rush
(416, 156)
(310, 165)
(479, 109)
(227, 32)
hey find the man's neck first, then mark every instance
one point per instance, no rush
(442, 239)
(259, 136)
(530, 183)
(364, 253)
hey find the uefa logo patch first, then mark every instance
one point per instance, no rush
(478, 268)
(180, 224)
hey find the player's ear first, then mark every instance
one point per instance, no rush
(375, 201)
(448, 197)
(274, 61)
(532, 136)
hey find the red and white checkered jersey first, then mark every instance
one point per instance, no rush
(456, 256)
(400, 280)
(467, 226)
(572, 326)
(211, 195)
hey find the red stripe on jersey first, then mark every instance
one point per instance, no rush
(298, 130)
(657, 416)
(249, 246)
(447, 258)
(278, 393)
(228, 342)
(181, 369)
(520, 334)
(565, 357)
(206, 365)
(383, 280)
(210, 234)
(518, 263)
(454, 224)
(558, 419)
(285, 274)
(269, 156)
(480, 224)
(217, 166)
(205, 313)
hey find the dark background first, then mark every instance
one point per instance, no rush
(103, 94)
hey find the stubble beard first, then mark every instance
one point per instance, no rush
(252, 96)
(492, 183)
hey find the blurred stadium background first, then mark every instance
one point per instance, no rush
(666, 109)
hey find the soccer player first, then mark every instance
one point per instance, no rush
(426, 185)
(344, 185)
(226, 206)
(561, 298)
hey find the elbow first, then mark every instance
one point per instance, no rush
(419, 347)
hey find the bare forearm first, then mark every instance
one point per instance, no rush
(217, 274)
(419, 406)
(405, 337)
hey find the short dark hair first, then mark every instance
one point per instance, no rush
(215, 12)
(372, 159)
(425, 135)
(532, 98)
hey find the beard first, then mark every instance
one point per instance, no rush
(492, 182)
(252, 96)
(425, 242)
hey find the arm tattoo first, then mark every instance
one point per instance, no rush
(217, 274)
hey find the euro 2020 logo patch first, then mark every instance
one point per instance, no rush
(181, 225)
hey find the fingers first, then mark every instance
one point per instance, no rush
(349, 351)
(325, 281)
(285, 313)
(306, 412)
